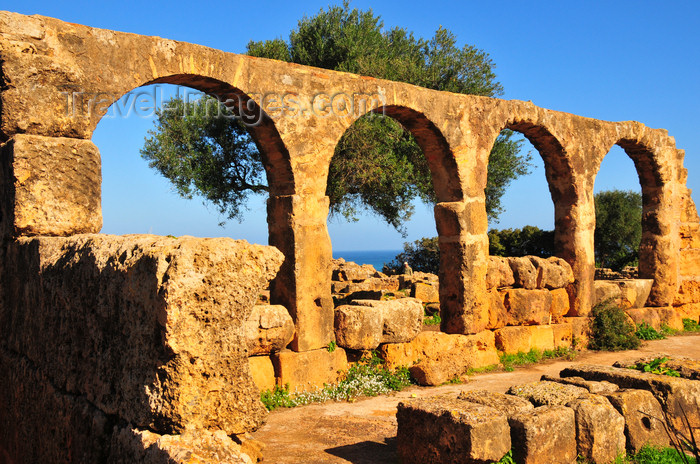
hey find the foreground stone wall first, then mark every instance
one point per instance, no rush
(143, 332)
(596, 412)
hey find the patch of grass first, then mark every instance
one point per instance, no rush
(646, 332)
(435, 319)
(507, 459)
(656, 366)
(368, 377)
(509, 361)
(611, 330)
(482, 370)
(651, 455)
(690, 325)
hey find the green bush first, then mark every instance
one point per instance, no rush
(646, 332)
(509, 361)
(690, 325)
(611, 330)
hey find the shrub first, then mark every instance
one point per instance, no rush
(646, 332)
(690, 325)
(611, 330)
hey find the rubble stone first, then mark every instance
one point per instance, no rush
(269, 328)
(444, 429)
(643, 418)
(309, 370)
(545, 435)
(527, 307)
(600, 429)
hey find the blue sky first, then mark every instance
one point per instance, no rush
(621, 60)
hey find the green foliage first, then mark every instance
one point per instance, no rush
(507, 459)
(200, 153)
(279, 397)
(529, 240)
(690, 325)
(435, 319)
(331, 347)
(652, 455)
(646, 332)
(656, 366)
(423, 255)
(610, 329)
(618, 229)
(378, 166)
(368, 377)
(510, 361)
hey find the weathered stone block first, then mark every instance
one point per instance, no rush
(499, 273)
(527, 307)
(600, 429)
(552, 272)
(591, 386)
(201, 446)
(348, 271)
(545, 435)
(688, 292)
(542, 337)
(560, 305)
(643, 418)
(358, 327)
(151, 329)
(506, 404)
(402, 319)
(514, 339)
(562, 335)
(606, 290)
(445, 429)
(498, 315)
(648, 315)
(545, 393)
(524, 272)
(453, 352)
(580, 330)
(670, 317)
(268, 328)
(634, 293)
(426, 292)
(263, 372)
(54, 186)
(690, 235)
(309, 370)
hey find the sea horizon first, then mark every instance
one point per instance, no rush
(376, 258)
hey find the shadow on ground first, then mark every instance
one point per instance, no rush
(367, 452)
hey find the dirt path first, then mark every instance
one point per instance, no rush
(364, 432)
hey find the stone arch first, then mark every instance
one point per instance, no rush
(559, 173)
(436, 149)
(657, 254)
(572, 205)
(261, 127)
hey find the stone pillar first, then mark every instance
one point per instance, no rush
(659, 249)
(574, 227)
(464, 253)
(50, 186)
(297, 227)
